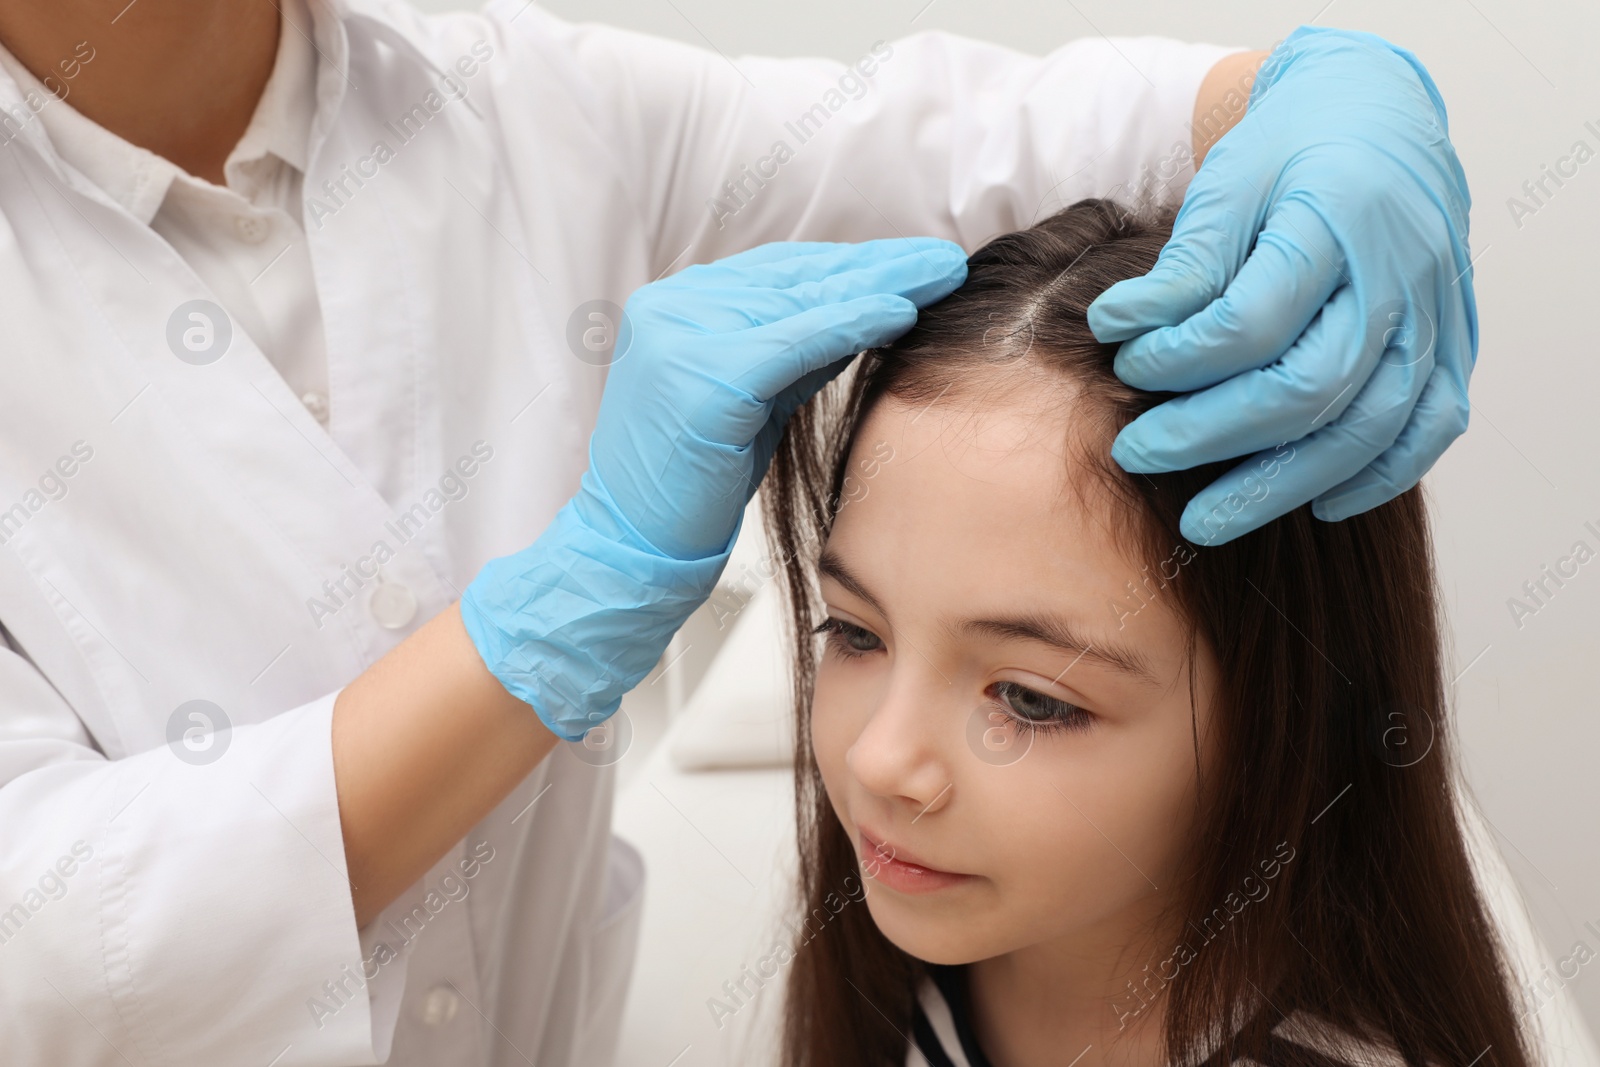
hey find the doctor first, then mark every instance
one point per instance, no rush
(308, 308)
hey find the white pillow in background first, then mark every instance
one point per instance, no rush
(739, 715)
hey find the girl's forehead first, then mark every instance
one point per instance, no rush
(1023, 449)
(949, 506)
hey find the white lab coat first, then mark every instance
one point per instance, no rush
(173, 531)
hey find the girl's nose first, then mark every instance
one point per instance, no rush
(901, 753)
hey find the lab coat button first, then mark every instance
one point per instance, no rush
(439, 1006)
(252, 229)
(392, 605)
(317, 404)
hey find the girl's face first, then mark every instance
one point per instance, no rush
(1005, 730)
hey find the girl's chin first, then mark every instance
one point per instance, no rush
(946, 939)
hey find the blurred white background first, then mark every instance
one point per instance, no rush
(1512, 496)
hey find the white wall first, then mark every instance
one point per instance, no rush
(1514, 494)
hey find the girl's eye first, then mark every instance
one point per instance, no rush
(848, 639)
(1034, 710)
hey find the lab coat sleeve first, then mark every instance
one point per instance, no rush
(930, 133)
(155, 910)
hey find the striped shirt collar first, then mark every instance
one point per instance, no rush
(942, 1034)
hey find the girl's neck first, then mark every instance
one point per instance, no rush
(1047, 1003)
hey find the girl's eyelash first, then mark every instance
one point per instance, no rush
(1058, 714)
(840, 633)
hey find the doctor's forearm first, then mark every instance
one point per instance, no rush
(425, 743)
(1220, 104)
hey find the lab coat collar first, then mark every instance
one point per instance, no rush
(398, 24)
(133, 177)
(137, 178)
(20, 128)
(139, 184)
(394, 22)
(282, 121)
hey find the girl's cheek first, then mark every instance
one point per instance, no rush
(829, 747)
(839, 712)
(824, 726)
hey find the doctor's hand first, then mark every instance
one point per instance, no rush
(1315, 295)
(710, 364)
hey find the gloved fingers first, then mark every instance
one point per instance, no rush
(1295, 267)
(1276, 481)
(1458, 330)
(1315, 381)
(935, 255)
(721, 270)
(788, 401)
(740, 301)
(786, 404)
(922, 277)
(1441, 415)
(1210, 240)
(814, 339)
(804, 352)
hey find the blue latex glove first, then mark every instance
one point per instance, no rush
(712, 362)
(1316, 292)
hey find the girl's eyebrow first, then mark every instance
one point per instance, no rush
(1058, 633)
(1045, 629)
(831, 565)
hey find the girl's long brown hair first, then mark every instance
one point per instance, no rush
(1331, 713)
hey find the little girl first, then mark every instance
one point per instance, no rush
(1122, 800)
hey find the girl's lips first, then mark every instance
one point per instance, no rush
(900, 872)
